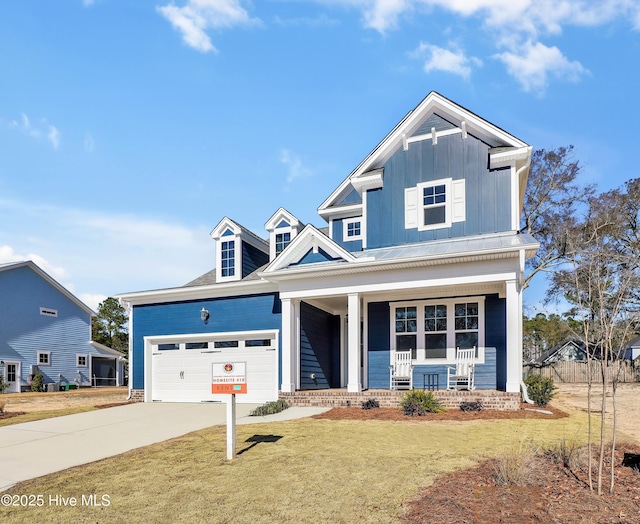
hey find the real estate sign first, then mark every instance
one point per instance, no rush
(229, 378)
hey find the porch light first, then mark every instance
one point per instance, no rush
(204, 315)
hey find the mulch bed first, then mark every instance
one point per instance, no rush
(526, 411)
(550, 492)
(11, 414)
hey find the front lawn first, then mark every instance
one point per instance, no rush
(299, 471)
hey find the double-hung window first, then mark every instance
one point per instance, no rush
(434, 205)
(282, 241)
(434, 330)
(228, 258)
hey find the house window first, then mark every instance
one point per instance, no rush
(196, 345)
(434, 205)
(352, 229)
(81, 361)
(406, 329)
(433, 330)
(282, 241)
(169, 346)
(11, 372)
(228, 258)
(222, 344)
(44, 358)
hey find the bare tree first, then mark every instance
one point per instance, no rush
(550, 207)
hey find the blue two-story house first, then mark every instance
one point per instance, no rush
(421, 253)
(46, 329)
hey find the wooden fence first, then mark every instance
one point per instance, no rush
(578, 372)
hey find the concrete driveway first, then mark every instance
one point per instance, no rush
(38, 448)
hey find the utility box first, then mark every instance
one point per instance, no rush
(54, 386)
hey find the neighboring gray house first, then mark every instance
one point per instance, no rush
(632, 350)
(43, 327)
(569, 351)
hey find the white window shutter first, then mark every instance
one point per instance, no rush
(411, 208)
(458, 210)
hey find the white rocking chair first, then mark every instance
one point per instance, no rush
(401, 371)
(462, 376)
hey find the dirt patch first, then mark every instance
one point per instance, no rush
(84, 397)
(10, 414)
(552, 494)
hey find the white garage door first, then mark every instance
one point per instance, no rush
(181, 366)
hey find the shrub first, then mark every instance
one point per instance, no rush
(370, 403)
(2, 404)
(513, 467)
(3, 384)
(569, 453)
(467, 406)
(270, 408)
(541, 390)
(37, 384)
(418, 402)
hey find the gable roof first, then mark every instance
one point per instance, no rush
(438, 115)
(237, 229)
(36, 269)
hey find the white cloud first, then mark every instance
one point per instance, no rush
(532, 64)
(295, 167)
(197, 16)
(7, 254)
(448, 60)
(37, 131)
(517, 27)
(54, 136)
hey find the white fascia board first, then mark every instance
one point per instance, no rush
(223, 225)
(370, 180)
(347, 211)
(510, 156)
(278, 216)
(106, 349)
(182, 294)
(432, 103)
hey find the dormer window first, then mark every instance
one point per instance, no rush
(228, 258)
(282, 241)
(282, 228)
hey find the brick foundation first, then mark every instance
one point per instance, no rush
(137, 395)
(340, 398)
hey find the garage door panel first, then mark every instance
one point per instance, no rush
(185, 375)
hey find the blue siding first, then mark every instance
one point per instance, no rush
(311, 258)
(453, 158)
(24, 331)
(319, 351)
(490, 375)
(353, 245)
(252, 259)
(244, 313)
(495, 310)
(378, 342)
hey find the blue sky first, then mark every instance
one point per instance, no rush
(129, 129)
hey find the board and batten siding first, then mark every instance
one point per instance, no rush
(378, 335)
(487, 193)
(24, 331)
(338, 236)
(243, 313)
(319, 348)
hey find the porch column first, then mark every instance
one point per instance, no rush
(353, 344)
(514, 336)
(290, 316)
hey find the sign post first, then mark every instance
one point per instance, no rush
(229, 378)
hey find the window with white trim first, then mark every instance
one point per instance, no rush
(81, 361)
(352, 229)
(282, 241)
(435, 204)
(44, 358)
(434, 330)
(228, 258)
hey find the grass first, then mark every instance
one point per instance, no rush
(39, 415)
(317, 471)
